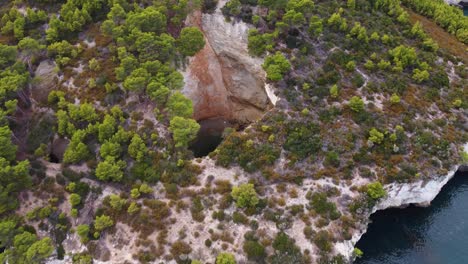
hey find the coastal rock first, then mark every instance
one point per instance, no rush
(420, 193)
(463, 168)
(452, 2)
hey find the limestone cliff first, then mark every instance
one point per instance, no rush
(223, 80)
(420, 193)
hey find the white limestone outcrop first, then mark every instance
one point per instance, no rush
(420, 193)
(223, 79)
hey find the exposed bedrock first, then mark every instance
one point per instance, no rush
(420, 193)
(223, 80)
(46, 75)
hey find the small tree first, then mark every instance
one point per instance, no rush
(102, 222)
(75, 199)
(418, 31)
(315, 26)
(137, 148)
(420, 75)
(356, 104)
(375, 191)
(375, 36)
(39, 251)
(135, 193)
(116, 202)
(334, 91)
(30, 48)
(276, 66)
(191, 40)
(179, 105)
(357, 252)
(254, 250)
(225, 258)
(457, 103)
(394, 99)
(245, 195)
(184, 130)
(133, 208)
(145, 188)
(94, 65)
(110, 170)
(83, 232)
(375, 136)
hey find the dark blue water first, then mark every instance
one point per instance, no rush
(434, 235)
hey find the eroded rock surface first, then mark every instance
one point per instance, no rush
(46, 73)
(223, 80)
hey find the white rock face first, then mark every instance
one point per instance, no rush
(223, 79)
(46, 73)
(452, 2)
(400, 195)
(271, 93)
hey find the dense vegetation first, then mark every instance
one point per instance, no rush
(95, 130)
(136, 51)
(448, 17)
(365, 91)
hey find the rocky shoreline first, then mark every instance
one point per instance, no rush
(224, 81)
(419, 193)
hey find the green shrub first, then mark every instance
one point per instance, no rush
(303, 139)
(394, 99)
(375, 191)
(245, 195)
(286, 250)
(102, 222)
(239, 218)
(83, 232)
(75, 199)
(321, 205)
(323, 240)
(356, 104)
(179, 249)
(376, 136)
(357, 253)
(276, 66)
(254, 250)
(332, 159)
(225, 258)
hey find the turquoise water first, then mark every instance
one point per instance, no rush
(434, 235)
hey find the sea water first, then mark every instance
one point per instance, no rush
(433, 235)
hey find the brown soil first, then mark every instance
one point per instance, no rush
(445, 40)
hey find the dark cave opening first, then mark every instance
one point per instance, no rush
(209, 136)
(53, 158)
(292, 39)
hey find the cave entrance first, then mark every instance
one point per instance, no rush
(209, 136)
(53, 158)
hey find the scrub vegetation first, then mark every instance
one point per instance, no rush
(95, 128)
